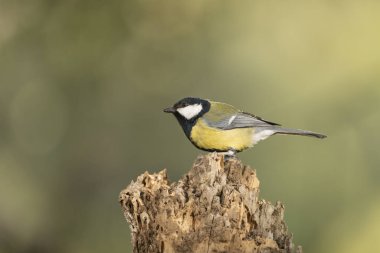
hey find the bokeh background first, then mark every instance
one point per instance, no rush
(83, 84)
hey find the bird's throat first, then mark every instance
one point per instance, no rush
(186, 125)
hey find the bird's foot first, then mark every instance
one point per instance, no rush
(230, 154)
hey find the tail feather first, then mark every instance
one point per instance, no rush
(299, 132)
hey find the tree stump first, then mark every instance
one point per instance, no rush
(215, 207)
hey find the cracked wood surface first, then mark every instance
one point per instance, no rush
(213, 208)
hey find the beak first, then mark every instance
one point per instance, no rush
(170, 110)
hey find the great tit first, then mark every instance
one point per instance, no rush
(215, 126)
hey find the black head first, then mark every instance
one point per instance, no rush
(188, 110)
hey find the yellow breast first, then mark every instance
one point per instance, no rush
(206, 137)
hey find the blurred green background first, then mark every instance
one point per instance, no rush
(83, 84)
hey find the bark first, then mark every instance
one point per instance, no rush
(215, 207)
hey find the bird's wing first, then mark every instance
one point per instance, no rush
(225, 116)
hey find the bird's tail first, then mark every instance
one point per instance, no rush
(292, 131)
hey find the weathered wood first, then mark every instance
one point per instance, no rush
(213, 208)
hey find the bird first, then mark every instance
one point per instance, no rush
(219, 127)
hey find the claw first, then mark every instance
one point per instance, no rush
(230, 154)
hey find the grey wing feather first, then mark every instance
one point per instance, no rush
(241, 120)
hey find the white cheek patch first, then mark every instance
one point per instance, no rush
(190, 111)
(261, 135)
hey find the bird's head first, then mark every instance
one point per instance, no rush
(189, 108)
